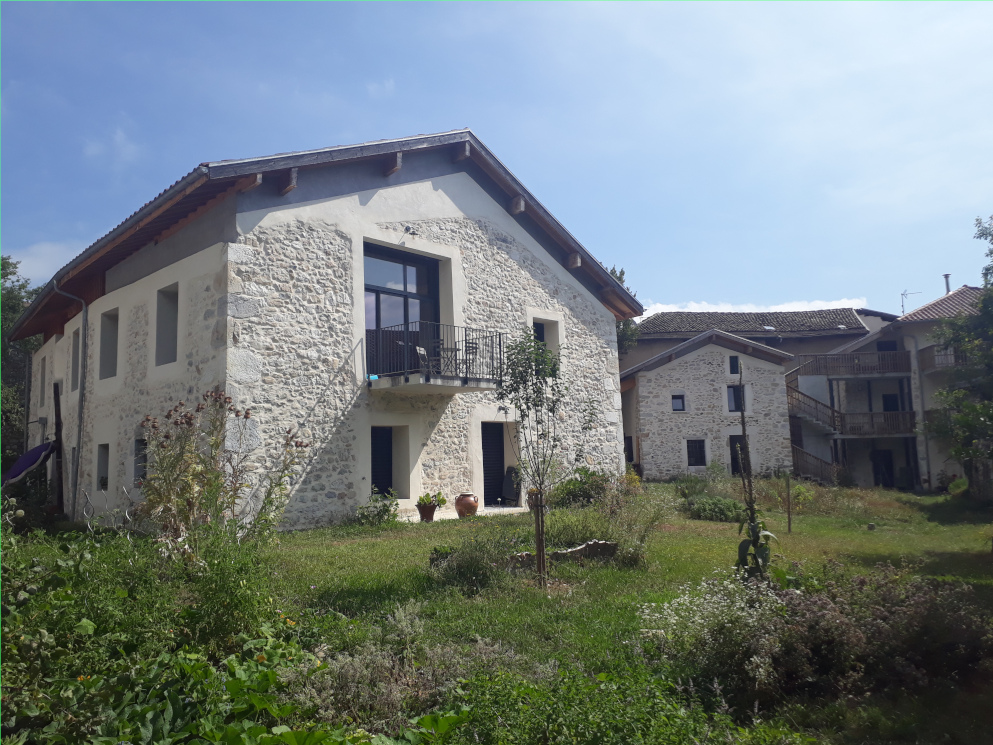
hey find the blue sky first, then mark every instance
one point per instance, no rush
(748, 155)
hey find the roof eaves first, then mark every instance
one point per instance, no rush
(714, 336)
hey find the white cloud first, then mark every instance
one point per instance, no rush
(384, 89)
(41, 260)
(115, 152)
(705, 307)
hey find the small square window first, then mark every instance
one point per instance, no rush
(679, 403)
(736, 398)
(735, 367)
(696, 452)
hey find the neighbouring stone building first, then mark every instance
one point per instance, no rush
(682, 408)
(863, 408)
(361, 293)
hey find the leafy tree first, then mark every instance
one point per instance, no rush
(965, 421)
(627, 330)
(17, 293)
(533, 386)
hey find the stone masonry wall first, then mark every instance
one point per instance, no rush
(703, 377)
(294, 357)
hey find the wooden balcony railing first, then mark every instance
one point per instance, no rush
(940, 358)
(805, 464)
(877, 423)
(855, 364)
(808, 407)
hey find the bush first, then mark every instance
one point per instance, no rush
(838, 636)
(382, 509)
(482, 558)
(586, 487)
(717, 509)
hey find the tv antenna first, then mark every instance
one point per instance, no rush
(903, 301)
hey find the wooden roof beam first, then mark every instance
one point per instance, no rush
(462, 151)
(241, 185)
(394, 164)
(288, 182)
(517, 205)
(574, 261)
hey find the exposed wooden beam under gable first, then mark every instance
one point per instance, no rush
(241, 185)
(289, 182)
(394, 164)
(518, 205)
(462, 151)
(574, 261)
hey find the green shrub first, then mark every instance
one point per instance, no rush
(480, 560)
(716, 509)
(838, 636)
(959, 486)
(586, 487)
(382, 509)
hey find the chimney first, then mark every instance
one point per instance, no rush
(948, 286)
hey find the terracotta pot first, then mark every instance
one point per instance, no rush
(466, 504)
(426, 511)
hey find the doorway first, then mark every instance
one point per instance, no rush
(737, 451)
(493, 462)
(882, 468)
(382, 459)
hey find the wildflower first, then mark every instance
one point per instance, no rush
(261, 658)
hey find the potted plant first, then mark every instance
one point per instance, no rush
(427, 503)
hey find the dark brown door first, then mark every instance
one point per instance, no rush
(382, 459)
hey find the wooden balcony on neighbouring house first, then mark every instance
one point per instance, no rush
(854, 365)
(877, 424)
(424, 357)
(935, 358)
(809, 408)
(810, 466)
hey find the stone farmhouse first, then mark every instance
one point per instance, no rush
(852, 389)
(864, 407)
(361, 293)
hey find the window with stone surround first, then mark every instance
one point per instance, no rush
(678, 402)
(736, 398)
(734, 364)
(696, 453)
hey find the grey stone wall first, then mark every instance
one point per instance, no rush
(702, 377)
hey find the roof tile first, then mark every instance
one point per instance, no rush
(962, 301)
(799, 321)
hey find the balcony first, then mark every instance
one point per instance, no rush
(855, 365)
(877, 424)
(424, 357)
(936, 358)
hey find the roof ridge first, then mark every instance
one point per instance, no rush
(906, 316)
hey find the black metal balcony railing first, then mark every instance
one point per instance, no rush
(435, 349)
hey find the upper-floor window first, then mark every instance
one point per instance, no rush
(108, 344)
(399, 288)
(734, 364)
(679, 402)
(736, 398)
(167, 325)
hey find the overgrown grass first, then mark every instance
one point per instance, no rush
(588, 617)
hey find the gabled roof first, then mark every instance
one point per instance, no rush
(713, 336)
(962, 301)
(210, 183)
(785, 323)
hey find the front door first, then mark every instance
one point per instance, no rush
(493, 460)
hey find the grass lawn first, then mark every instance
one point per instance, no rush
(588, 617)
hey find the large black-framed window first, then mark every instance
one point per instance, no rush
(696, 452)
(400, 288)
